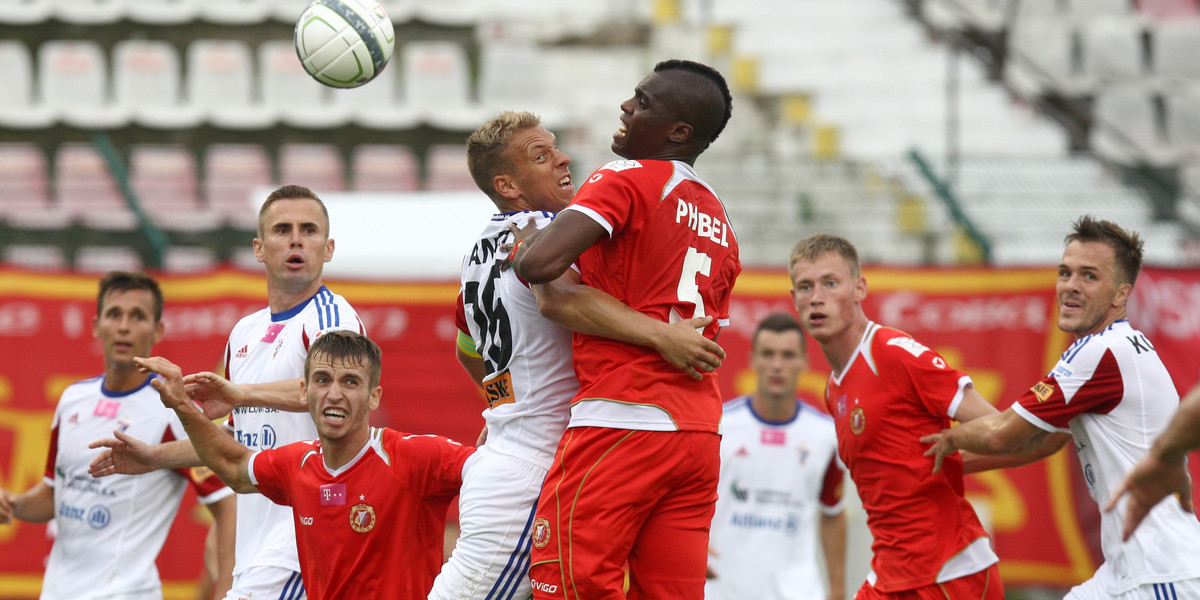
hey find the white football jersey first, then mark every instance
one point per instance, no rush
(530, 379)
(775, 477)
(1113, 392)
(265, 347)
(110, 529)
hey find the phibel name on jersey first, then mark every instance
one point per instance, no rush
(704, 224)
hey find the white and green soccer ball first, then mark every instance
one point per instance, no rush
(344, 43)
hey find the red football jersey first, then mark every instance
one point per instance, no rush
(893, 392)
(671, 254)
(373, 528)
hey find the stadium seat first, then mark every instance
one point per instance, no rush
(162, 12)
(102, 259)
(233, 176)
(316, 166)
(220, 85)
(1183, 121)
(378, 104)
(450, 12)
(384, 168)
(189, 259)
(1044, 58)
(164, 179)
(1112, 49)
(24, 12)
(86, 189)
(238, 12)
(38, 257)
(989, 16)
(289, 91)
(148, 83)
(512, 76)
(74, 83)
(438, 86)
(446, 168)
(18, 109)
(24, 188)
(89, 12)
(1127, 127)
(1175, 46)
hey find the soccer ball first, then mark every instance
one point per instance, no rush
(344, 43)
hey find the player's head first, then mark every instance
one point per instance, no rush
(128, 318)
(675, 113)
(517, 163)
(827, 286)
(293, 240)
(778, 356)
(341, 383)
(1095, 278)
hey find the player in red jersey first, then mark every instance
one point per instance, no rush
(369, 504)
(634, 478)
(885, 391)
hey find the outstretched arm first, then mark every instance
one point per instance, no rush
(219, 396)
(227, 458)
(1000, 433)
(547, 253)
(588, 310)
(36, 505)
(1163, 470)
(130, 456)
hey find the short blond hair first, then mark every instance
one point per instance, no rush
(811, 248)
(487, 154)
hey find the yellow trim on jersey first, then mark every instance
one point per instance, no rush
(466, 344)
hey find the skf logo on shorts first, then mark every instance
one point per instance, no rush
(541, 534)
(201, 473)
(858, 420)
(1042, 390)
(362, 518)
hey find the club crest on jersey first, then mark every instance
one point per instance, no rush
(858, 420)
(362, 518)
(912, 346)
(541, 532)
(1042, 390)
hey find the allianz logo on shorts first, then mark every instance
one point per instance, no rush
(98, 516)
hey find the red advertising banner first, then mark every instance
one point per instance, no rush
(998, 325)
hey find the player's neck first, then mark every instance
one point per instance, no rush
(772, 408)
(841, 347)
(284, 297)
(119, 378)
(338, 453)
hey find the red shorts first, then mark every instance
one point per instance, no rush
(984, 585)
(616, 495)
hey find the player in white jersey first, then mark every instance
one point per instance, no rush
(110, 531)
(1111, 392)
(264, 361)
(523, 361)
(779, 470)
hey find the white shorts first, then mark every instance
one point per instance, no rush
(267, 583)
(495, 505)
(1092, 589)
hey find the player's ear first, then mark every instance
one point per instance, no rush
(860, 289)
(329, 249)
(258, 249)
(376, 396)
(681, 133)
(506, 187)
(1122, 296)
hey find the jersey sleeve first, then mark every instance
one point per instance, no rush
(914, 366)
(831, 487)
(436, 463)
(608, 196)
(208, 486)
(51, 454)
(465, 342)
(1090, 383)
(268, 472)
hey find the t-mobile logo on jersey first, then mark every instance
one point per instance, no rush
(333, 494)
